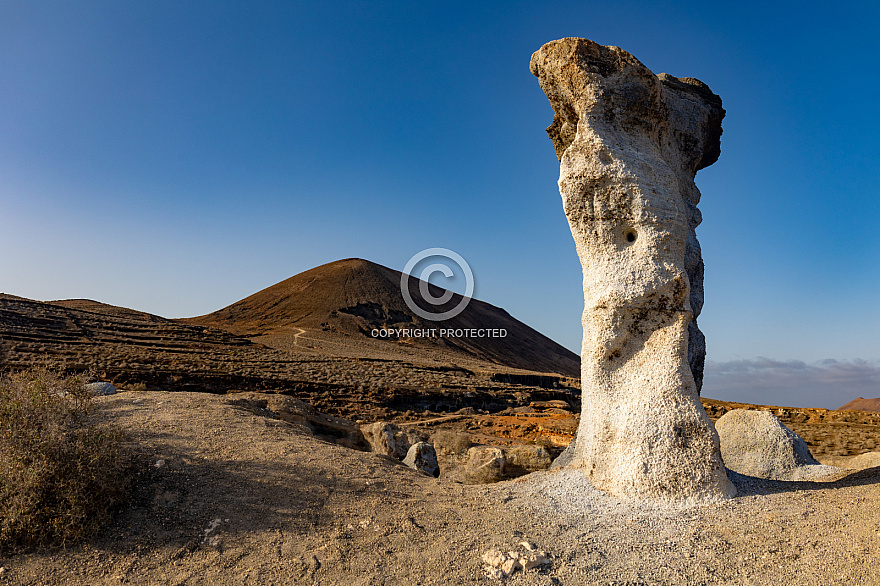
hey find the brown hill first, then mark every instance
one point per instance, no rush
(861, 404)
(133, 349)
(107, 309)
(72, 328)
(341, 304)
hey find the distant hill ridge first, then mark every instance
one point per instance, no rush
(353, 297)
(862, 404)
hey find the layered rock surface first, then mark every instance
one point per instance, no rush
(629, 144)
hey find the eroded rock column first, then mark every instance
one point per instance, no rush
(629, 144)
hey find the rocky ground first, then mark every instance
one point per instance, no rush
(226, 495)
(239, 483)
(137, 350)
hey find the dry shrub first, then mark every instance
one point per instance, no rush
(61, 471)
(138, 387)
(451, 442)
(544, 442)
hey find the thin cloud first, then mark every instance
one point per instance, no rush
(828, 383)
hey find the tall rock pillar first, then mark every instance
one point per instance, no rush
(629, 144)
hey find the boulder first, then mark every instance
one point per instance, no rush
(452, 453)
(629, 144)
(292, 410)
(461, 462)
(756, 443)
(485, 464)
(101, 389)
(422, 457)
(864, 461)
(386, 439)
(524, 459)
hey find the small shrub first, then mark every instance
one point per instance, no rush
(544, 441)
(451, 442)
(61, 472)
(137, 387)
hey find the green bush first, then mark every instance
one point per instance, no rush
(61, 471)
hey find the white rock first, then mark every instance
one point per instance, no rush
(101, 388)
(494, 558)
(422, 457)
(208, 538)
(509, 566)
(629, 144)
(386, 439)
(863, 461)
(528, 458)
(484, 464)
(756, 443)
(533, 560)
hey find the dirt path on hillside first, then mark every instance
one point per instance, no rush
(230, 497)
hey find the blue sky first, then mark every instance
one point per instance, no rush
(175, 157)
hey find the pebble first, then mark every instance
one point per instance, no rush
(501, 565)
(533, 560)
(493, 558)
(509, 566)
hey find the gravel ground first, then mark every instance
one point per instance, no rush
(244, 499)
(771, 533)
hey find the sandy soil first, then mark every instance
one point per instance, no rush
(227, 496)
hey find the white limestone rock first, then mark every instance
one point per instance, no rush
(501, 565)
(526, 458)
(101, 388)
(493, 572)
(386, 439)
(485, 464)
(756, 443)
(629, 144)
(532, 559)
(422, 457)
(860, 462)
(509, 566)
(494, 558)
